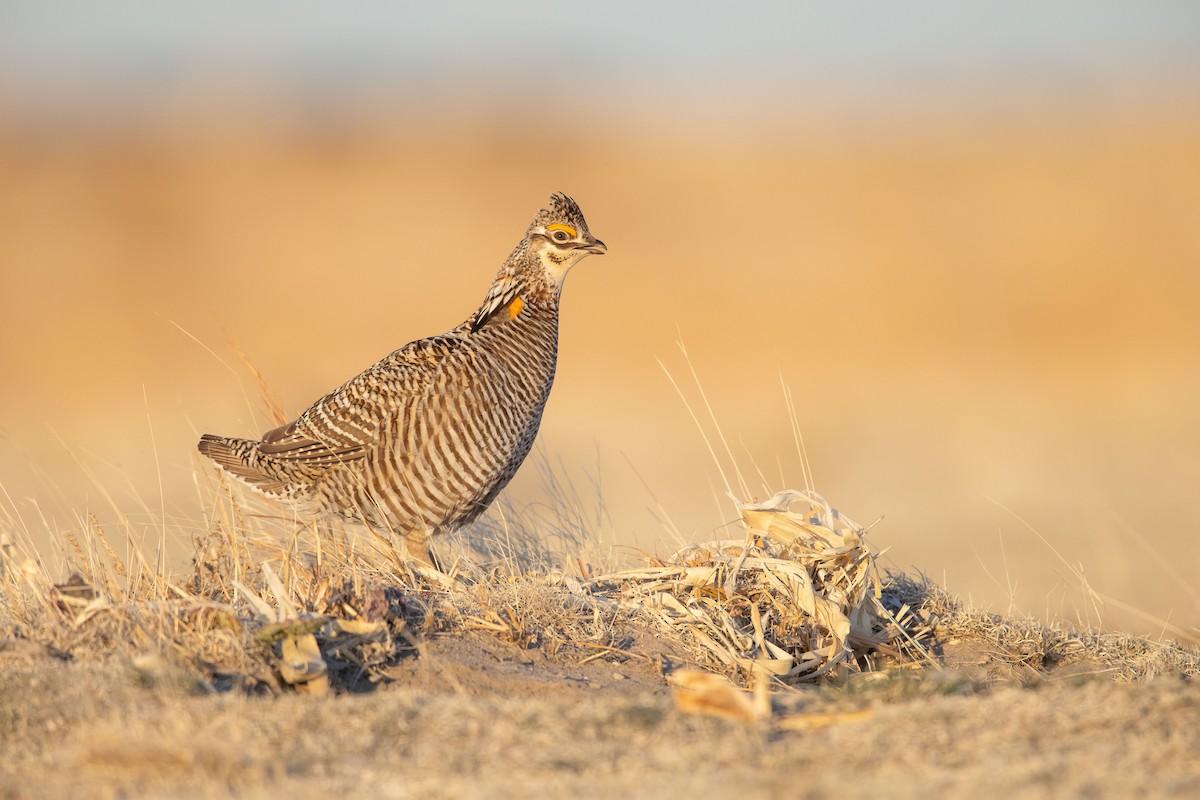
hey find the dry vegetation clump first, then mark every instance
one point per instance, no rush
(552, 612)
(1027, 650)
(798, 598)
(231, 621)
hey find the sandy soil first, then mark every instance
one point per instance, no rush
(475, 717)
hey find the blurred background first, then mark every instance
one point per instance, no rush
(966, 237)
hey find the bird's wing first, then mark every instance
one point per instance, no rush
(500, 300)
(345, 424)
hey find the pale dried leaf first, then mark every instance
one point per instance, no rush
(302, 664)
(282, 601)
(262, 609)
(698, 692)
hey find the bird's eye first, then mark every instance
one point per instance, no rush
(560, 232)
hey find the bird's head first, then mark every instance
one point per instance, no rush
(558, 238)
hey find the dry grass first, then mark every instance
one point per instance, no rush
(535, 674)
(1028, 651)
(798, 598)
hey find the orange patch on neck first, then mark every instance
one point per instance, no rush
(515, 307)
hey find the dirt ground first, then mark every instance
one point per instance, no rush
(476, 717)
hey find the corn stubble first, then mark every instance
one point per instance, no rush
(798, 598)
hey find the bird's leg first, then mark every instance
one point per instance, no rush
(425, 562)
(417, 543)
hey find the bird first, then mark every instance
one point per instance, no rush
(420, 443)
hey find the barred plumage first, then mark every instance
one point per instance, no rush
(423, 441)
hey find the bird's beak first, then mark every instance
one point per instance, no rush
(597, 248)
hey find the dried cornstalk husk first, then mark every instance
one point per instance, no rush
(792, 599)
(302, 665)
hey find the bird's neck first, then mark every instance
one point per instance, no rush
(518, 284)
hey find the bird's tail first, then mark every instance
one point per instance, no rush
(241, 459)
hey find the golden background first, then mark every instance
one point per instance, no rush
(986, 311)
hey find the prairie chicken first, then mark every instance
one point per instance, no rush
(422, 442)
